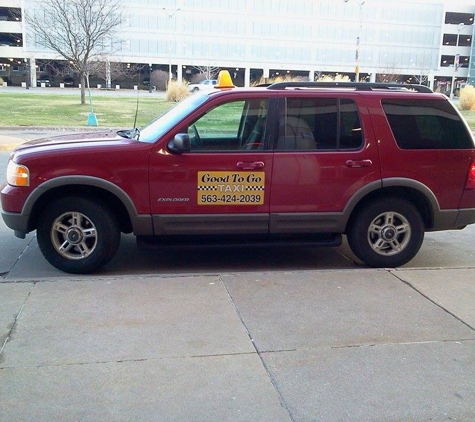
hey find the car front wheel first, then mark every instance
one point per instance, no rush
(78, 235)
(386, 233)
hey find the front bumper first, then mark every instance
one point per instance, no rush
(17, 222)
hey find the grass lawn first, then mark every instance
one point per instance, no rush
(66, 110)
(470, 117)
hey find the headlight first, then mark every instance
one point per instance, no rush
(17, 175)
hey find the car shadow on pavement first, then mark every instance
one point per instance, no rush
(129, 260)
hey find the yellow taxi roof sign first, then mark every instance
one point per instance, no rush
(224, 80)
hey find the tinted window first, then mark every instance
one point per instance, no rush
(426, 125)
(319, 124)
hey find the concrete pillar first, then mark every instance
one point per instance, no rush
(179, 73)
(33, 72)
(247, 77)
(430, 79)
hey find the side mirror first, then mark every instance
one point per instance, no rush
(181, 143)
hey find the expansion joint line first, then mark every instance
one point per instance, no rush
(269, 374)
(407, 283)
(15, 321)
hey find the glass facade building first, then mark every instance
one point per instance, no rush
(408, 41)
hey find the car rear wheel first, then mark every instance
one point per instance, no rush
(77, 235)
(386, 233)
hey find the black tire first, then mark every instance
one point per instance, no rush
(386, 233)
(78, 235)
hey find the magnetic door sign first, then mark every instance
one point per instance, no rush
(231, 188)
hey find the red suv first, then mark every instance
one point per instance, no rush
(290, 163)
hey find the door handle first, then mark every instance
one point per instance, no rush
(250, 166)
(358, 163)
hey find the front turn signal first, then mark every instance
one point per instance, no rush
(17, 175)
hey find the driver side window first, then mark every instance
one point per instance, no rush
(232, 126)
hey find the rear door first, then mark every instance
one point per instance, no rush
(325, 154)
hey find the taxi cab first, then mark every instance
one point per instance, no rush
(290, 163)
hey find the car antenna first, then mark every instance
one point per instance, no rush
(137, 106)
(136, 110)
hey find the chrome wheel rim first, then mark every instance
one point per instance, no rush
(74, 235)
(389, 233)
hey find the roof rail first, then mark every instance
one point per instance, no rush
(359, 86)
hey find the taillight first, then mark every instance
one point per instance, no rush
(471, 176)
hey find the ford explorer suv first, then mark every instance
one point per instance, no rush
(291, 163)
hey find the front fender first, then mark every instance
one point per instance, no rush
(141, 223)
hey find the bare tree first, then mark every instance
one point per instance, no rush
(389, 78)
(78, 30)
(421, 79)
(208, 72)
(389, 75)
(160, 80)
(107, 70)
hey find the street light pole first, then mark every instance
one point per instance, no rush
(360, 26)
(169, 16)
(456, 60)
(358, 41)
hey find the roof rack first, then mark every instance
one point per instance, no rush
(359, 86)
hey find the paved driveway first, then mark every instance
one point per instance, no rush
(246, 335)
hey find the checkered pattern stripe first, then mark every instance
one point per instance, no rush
(208, 188)
(252, 188)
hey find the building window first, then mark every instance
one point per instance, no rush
(449, 61)
(10, 14)
(452, 18)
(465, 41)
(455, 39)
(450, 39)
(11, 39)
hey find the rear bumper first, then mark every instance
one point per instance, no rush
(465, 217)
(453, 219)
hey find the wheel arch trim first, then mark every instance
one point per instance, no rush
(140, 224)
(414, 184)
(396, 182)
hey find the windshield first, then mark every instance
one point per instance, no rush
(163, 123)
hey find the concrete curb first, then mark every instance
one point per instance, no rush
(12, 136)
(8, 142)
(55, 128)
(8, 147)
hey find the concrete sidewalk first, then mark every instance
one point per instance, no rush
(338, 345)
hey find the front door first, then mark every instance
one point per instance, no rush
(222, 186)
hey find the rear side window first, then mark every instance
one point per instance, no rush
(426, 125)
(319, 124)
